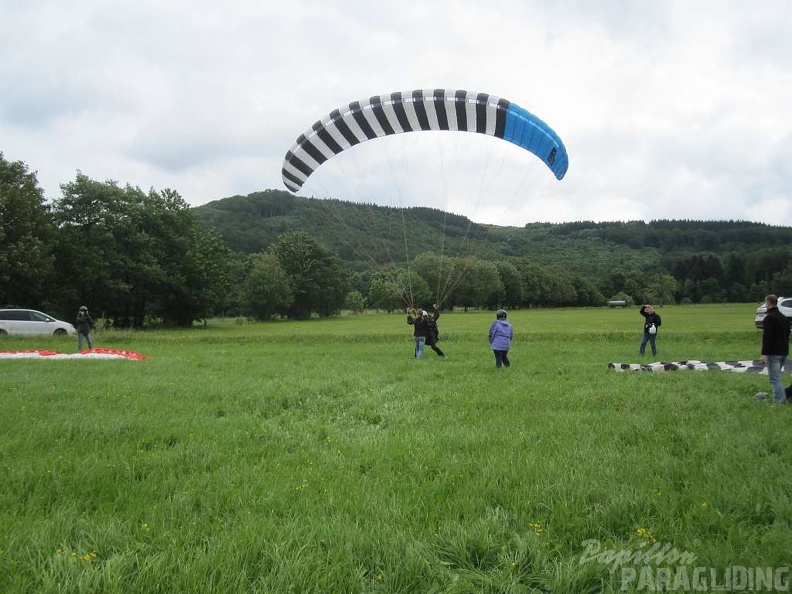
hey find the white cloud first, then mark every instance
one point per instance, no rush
(668, 109)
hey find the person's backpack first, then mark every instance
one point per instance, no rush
(433, 329)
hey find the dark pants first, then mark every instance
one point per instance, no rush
(501, 358)
(436, 349)
(87, 336)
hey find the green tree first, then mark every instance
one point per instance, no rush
(766, 262)
(441, 276)
(782, 282)
(94, 231)
(355, 302)
(318, 277)
(511, 282)
(545, 286)
(710, 290)
(204, 269)
(267, 291)
(531, 275)
(133, 255)
(391, 288)
(26, 235)
(479, 286)
(190, 266)
(558, 288)
(232, 301)
(385, 294)
(660, 289)
(415, 291)
(735, 270)
(587, 292)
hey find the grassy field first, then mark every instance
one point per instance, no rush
(322, 457)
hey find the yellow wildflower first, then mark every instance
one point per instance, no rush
(537, 528)
(646, 533)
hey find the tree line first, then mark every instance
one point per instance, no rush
(541, 264)
(146, 257)
(130, 256)
(140, 258)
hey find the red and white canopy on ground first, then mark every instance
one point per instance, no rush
(87, 354)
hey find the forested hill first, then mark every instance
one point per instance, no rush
(362, 232)
(357, 232)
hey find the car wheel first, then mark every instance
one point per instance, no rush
(60, 332)
(3, 332)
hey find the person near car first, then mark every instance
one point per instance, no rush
(501, 334)
(84, 325)
(425, 330)
(652, 322)
(775, 346)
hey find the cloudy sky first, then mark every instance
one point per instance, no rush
(668, 109)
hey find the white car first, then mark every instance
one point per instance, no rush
(29, 322)
(784, 306)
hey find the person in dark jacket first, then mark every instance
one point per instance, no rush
(84, 325)
(424, 330)
(775, 346)
(501, 334)
(652, 322)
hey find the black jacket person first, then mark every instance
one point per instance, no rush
(652, 322)
(424, 330)
(84, 324)
(775, 346)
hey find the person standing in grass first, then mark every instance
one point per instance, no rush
(775, 346)
(424, 330)
(501, 334)
(84, 324)
(652, 322)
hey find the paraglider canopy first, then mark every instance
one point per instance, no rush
(421, 110)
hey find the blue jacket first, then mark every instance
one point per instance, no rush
(500, 335)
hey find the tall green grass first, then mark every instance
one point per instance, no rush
(321, 457)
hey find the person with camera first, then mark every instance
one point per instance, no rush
(652, 322)
(84, 324)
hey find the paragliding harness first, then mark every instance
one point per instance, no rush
(431, 323)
